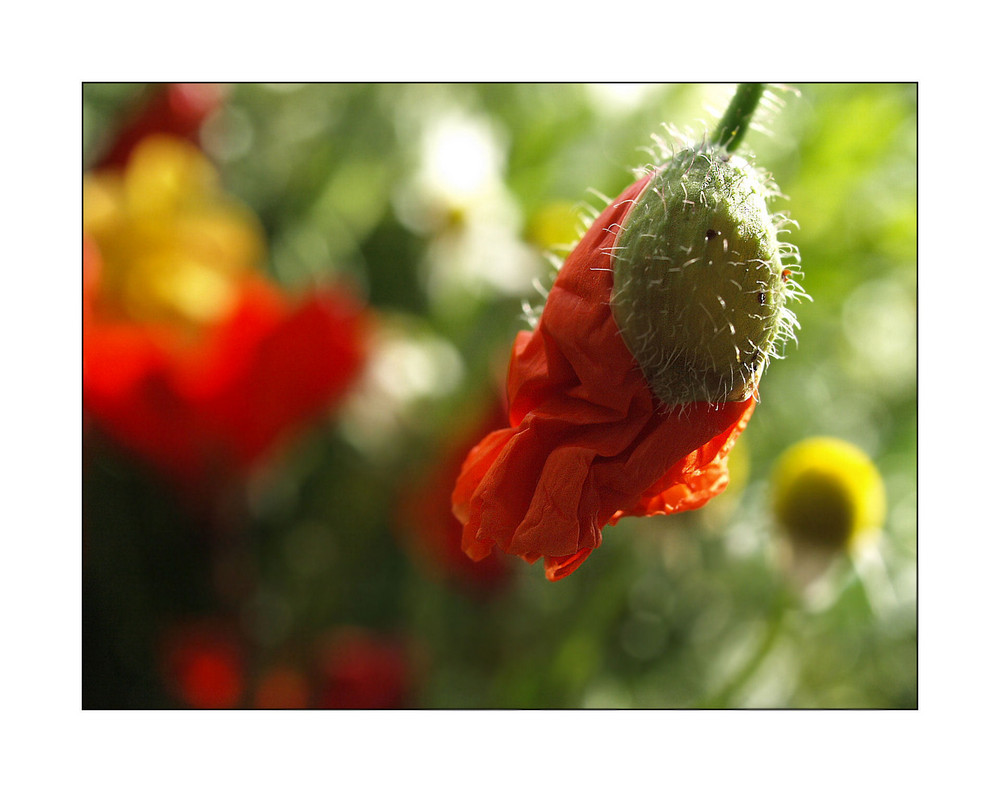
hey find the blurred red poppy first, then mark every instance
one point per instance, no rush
(587, 442)
(428, 526)
(176, 109)
(190, 357)
(204, 665)
(359, 670)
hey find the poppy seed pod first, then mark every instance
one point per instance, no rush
(700, 278)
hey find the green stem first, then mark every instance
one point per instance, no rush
(736, 121)
(776, 622)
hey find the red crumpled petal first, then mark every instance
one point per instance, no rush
(588, 441)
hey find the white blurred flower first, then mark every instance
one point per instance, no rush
(408, 366)
(458, 197)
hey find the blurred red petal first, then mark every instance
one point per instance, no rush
(363, 671)
(205, 408)
(204, 666)
(426, 516)
(282, 687)
(282, 378)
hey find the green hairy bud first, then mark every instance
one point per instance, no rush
(701, 281)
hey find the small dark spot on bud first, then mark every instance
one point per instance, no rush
(762, 298)
(711, 234)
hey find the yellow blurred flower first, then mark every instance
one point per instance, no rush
(828, 495)
(174, 245)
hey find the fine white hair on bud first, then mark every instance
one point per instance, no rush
(701, 280)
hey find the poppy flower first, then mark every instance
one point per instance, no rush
(642, 370)
(204, 665)
(191, 358)
(429, 528)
